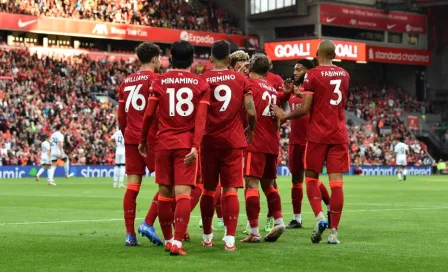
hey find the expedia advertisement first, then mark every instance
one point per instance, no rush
(107, 171)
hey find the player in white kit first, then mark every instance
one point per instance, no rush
(57, 153)
(119, 170)
(45, 155)
(400, 150)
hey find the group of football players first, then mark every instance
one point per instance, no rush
(221, 130)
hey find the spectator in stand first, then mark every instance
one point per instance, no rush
(157, 13)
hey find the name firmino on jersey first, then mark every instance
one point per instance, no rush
(333, 73)
(220, 78)
(136, 78)
(177, 80)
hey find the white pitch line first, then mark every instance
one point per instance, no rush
(196, 216)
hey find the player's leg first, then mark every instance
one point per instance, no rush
(337, 164)
(254, 164)
(296, 168)
(273, 198)
(399, 175)
(51, 171)
(231, 179)
(165, 179)
(184, 179)
(41, 170)
(218, 206)
(210, 177)
(66, 161)
(135, 171)
(121, 175)
(196, 193)
(116, 174)
(325, 198)
(314, 161)
(405, 171)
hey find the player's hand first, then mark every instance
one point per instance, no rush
(288, 86)
(277, 111)
(191, 157)
(142, 149)
(249, 135)
(298, 92)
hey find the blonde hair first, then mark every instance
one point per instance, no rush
(238, 56)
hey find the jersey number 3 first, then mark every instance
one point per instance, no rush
(135, 99)
(337, 90)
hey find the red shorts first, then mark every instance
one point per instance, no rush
(135, 163)
(171, 169)
(225, 165)
(335, 155)
(260, 165)
(296, 155)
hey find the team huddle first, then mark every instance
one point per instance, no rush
(221, 130)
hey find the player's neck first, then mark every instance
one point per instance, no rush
(325, 62)
(188, 69)
(220, 67)
(148, 67)
(255, 76)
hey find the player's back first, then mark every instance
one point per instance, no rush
(55, 138)
(224, 127)
(266, 136)
(119, 141)
(299, 126)
(329, 84)
(275, 80)
(134, 93)
(179, 93)
(400, 149)
(45, 146)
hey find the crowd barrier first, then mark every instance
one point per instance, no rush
(107, 171)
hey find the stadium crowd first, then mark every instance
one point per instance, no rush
(36, 94)
(157, 13)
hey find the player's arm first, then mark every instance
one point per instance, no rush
(60, 147)
(112, 141)
(199, 125)
(251, 114)
(148, 119)
(288, 89)
(122, 120)
(49, 152)
(304, 109)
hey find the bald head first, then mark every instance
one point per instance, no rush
(327, 50)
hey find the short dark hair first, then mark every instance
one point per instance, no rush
(58, 126)
(182, 54)
(401, 139)
(259, 64)
(308, 64)
(147, 51)
(221, 50)
(259, 52)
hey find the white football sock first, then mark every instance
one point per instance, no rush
(116, 174)
(121, 175)
(399, 176)
(405, 172)
(254, 231)
(40, 172)
(229, 240)
(320, 217)
(177, 243)
(297, 217)
(67, 167)
(279, 221)
(51, 173)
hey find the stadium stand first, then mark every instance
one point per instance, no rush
(156, 13)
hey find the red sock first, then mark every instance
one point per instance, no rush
(129, 206)
(231, 209)
(274, 202)
(337, 202)
(195, 196)
(218, 201)
(166, 216)
(152, 212)
(296, 197)
(314, 195)
(252, 206)
(207, 210)
(182, 216)
(324, 192)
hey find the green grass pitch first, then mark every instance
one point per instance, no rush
(78, 226)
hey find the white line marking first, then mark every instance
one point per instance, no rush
(197, 216)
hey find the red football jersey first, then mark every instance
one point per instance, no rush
(134, 93)
(224, 127)
(275, 81)
(266, 136)
(299, 126)
(329, 84)
(179, 93)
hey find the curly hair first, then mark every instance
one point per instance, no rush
(238, 56)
